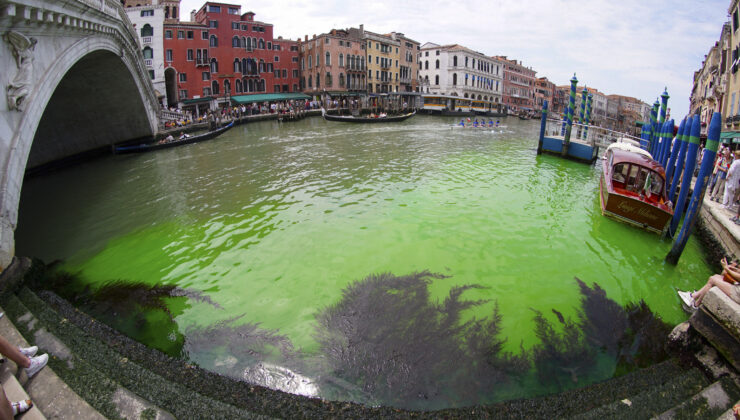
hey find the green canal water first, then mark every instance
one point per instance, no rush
(332, 259)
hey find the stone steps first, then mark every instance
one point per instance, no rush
(111, 382)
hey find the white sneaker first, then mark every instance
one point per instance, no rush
(688, 300)
(37, 363)
(28, 351)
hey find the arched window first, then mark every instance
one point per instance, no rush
(436, 64)
(213, 41)
(214, 87)
(227, 87)
(426, 65)
(244, 42)
(479, 97)
(262, 44)
(262, 66)
(214, 66)
(328, 59)
(341, 60)
(244, 66)
(454, 78)
(318, 80)
(235, 42)
(254, 43)
(148, 53)
(237, 66)
(328, 79)
(238, 86)
(436, 79)
(350, 61)
(454, 61)
(262, 85)
(341, 79)
(147, 30)
(465, 96)
(250, 85)
(249, 44)
(310, 81)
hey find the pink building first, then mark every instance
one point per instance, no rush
(519, 85)
(332, 65)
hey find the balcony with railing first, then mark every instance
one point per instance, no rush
(146, 40)
(148, 62)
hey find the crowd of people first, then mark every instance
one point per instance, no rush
(724, 184)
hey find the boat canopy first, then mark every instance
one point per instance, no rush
(268, 97)
(624, 156)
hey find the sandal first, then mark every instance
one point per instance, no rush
(20, 407)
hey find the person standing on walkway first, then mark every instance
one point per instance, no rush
(722, 167)
(732, 181)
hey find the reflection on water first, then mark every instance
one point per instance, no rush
(387, 341)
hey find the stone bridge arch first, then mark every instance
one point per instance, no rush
(89, 89)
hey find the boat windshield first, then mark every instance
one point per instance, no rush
(637, 179)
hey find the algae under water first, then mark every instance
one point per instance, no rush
(443, 261)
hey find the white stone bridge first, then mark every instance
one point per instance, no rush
(74, 81)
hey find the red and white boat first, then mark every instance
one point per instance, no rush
(632, 190)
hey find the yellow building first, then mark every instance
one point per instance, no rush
(383, 57)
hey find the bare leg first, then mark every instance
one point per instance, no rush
(715, 280)
(6, 411)
(11, 352)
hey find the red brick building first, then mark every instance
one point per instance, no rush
(225, 52)
(519, 85)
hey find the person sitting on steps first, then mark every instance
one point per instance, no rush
(728, 282)
(24, 358)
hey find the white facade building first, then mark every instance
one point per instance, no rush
(148, 24)
(458, 71)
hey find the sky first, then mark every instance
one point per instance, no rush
(627, 47)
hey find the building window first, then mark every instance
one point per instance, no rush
(276, 59)
(204, 35)
(183, 94)
(206, 76)
(276, 88)
(168, 55)
(214, 66)
(183, 77)
(145, 13)
(341, 60)
(269, 45)
(436, 80)
(436, 65)
(734, 20)
(454, 79)
(245, 27)
(214, 9)
(168, 34)
(214, 87)
(437, 52)
(454, 61)
(295, 73)
(213, 42)
(262, 44)
(328, 57)
(180, 34)
(233, 10)
(213, 24)
(426, 65)
(151, 74)
(148, 53)
(190, 55)
(190, 34)
(235, 42)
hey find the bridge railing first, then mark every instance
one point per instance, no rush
(597, 136)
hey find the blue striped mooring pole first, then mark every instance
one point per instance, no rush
(674, 154)
(688, 175)
(582, 118)
(653, 127)
(543, 123)
(588, 118)
(681, 159)
(571, 108)
(697, 197)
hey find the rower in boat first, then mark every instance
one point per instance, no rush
(462, 123)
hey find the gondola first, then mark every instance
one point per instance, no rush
(396, 118)
(148, 147)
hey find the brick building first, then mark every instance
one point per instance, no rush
(332, 65)
(518, 82)
(223, 52)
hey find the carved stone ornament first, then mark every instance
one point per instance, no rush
(20, 86)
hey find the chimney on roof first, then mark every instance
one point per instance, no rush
(192, 15)
(334, 32)
(362, 30)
